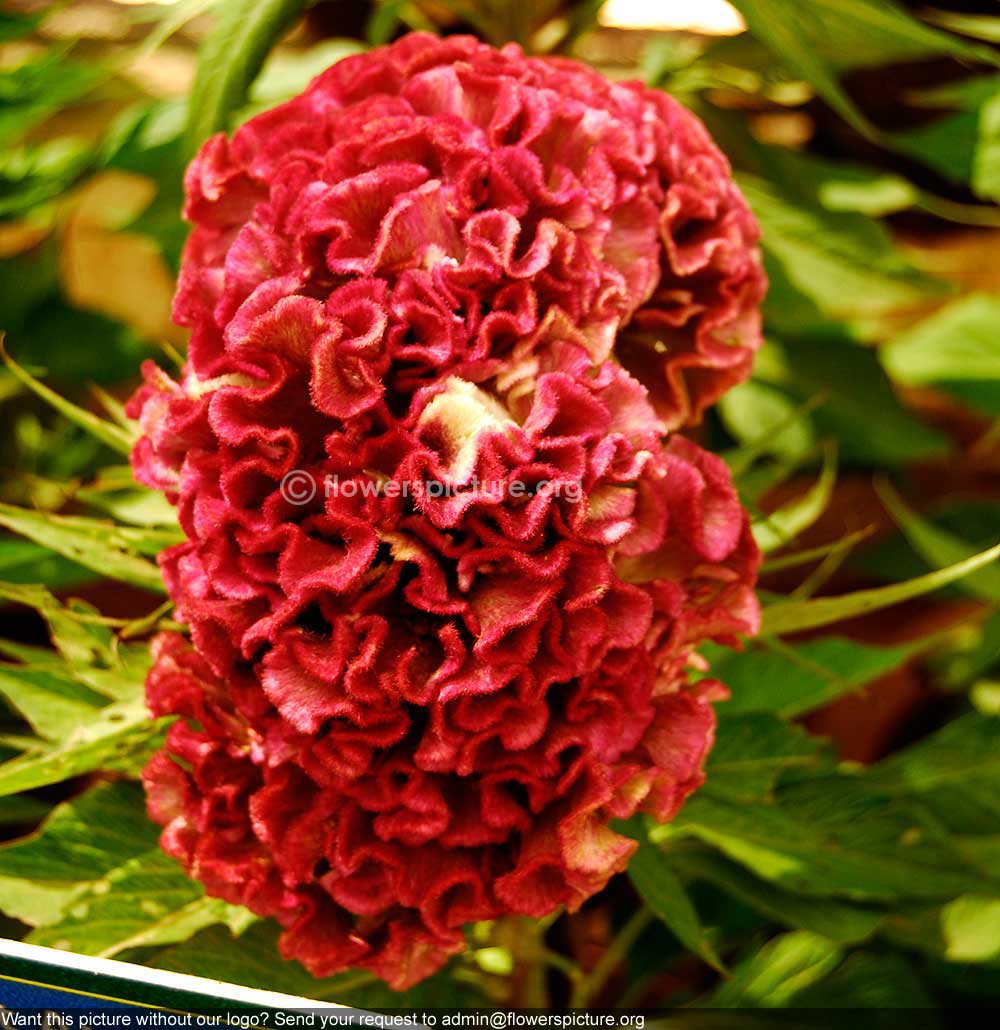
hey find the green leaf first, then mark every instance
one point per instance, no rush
(664, 893)
(114, 551)
(832, 837)
(937, 546)
(956, 348)
(113, 436)
(79, 844)
(986, 157)
(22, 561)
(946, 144)
(844, 262)
(869, 981)
(980, 26)
(21, 810)
(970, 926)
(250, 957)
(796, 616)
(145, 901)
(793, 679)
(752, 750)
(230, 57)
(76, 642)
(847, 386)
(135, 506)
(838, 921)
(782, 526)
(85, 653)
(55, 705)
(120, 738)
(772, 976)
(766, 419)
(962, 753)
(786, 31)
(813, 39)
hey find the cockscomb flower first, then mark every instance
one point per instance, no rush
(446, 570)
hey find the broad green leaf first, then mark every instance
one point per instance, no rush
(869, 980)
(115, 491)
(955, 343)
(22, 561)
(663, 892)
(938, 546)
(114, 436)
(862, 33)
(124, 681)
(970, 926)
(230, 58)
(780, 527)
(78, 643)
(838, 921)
(114, 551)
(767, 419)
(147, 900)
(135, 506)
(855, 394)
(795, 616)
(251, 958)
(986, 157)
(832, 837)
(956, 348)
(963, 753)
(752, 750)
(946, 144)
(35, 902)
(54, 704)
(119, 739)
(21, 810)
(797, 678)
(86, 652)
(79, 844)
(772, 976)
(843, 262)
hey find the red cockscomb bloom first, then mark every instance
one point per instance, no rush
(465, 296)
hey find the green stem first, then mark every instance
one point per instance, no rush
(590, 985)
(525, 938)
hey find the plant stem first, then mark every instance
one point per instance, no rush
(590, 984)
(526, 940)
